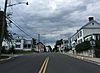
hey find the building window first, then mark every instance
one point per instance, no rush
(18, 40)
(92, 23)
(80, 33)
(18, 46)
(25, 45)
(29, 45)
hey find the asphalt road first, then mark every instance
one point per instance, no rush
(48, 63)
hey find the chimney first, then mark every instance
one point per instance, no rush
(91, 19)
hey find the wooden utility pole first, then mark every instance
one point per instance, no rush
(3, 26)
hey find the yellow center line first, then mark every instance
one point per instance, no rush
(44, 66)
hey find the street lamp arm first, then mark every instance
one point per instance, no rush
(18, 3)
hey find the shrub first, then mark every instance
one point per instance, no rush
(67, 49)
(3, 50)
(97, 43)
(11, 50)
(84, 46)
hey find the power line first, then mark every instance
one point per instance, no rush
(13, 22)
(21, 20)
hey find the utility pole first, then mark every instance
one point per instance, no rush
(3, 26)
(38, 41)
(38, 38)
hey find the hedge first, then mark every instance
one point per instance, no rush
(84, 46)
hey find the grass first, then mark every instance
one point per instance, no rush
(4, 57)
(23, 52)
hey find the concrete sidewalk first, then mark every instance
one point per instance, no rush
(11, 56)
(89, 59)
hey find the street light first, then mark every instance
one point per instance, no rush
(18, 3)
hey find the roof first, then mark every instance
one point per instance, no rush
(83, 27)
(89, 23)
(40, 43)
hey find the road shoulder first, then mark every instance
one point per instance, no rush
(88, 59)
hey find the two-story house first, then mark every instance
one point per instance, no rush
(23, 44)
(89, 31)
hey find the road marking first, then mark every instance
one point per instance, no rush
(44, 66)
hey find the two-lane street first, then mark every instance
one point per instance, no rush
(48, 63)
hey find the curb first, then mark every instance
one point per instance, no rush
(84, 59)
(8, 59)
(5, 60)
(91, 61)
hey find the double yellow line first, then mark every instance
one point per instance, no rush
(44, 66)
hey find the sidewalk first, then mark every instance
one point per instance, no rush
(11, 56)
(89, 59)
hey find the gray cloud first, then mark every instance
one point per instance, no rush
(53, 19)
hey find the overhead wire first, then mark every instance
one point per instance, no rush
(13, 22)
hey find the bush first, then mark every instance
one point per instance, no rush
(11, 50)
(84, 46)
(97, 53)
(67, 49)
(3, 50)
(97, 44)
(55, 49)
(22, 52)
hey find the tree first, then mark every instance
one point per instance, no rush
(49, 48)
(59, 42)
(66, 49)
(12, 49)
(55, 49)
(33, 42)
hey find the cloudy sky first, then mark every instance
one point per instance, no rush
(52, 19)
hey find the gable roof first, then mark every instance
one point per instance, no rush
(93, 21)
(40, 43)
(83, 27)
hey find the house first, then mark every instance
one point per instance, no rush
(88, 32)
(62, 47)
(20, 43)
(23, 44)
(40, 47)
(5, 44)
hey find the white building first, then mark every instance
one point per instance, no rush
(62, 47)
(5, 44)
(23, 44)
(89, 31)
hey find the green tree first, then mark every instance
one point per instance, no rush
(12, 49)
(55, 49)
(66, 49)
(59, 42)
(33, 42)
(49, 48)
